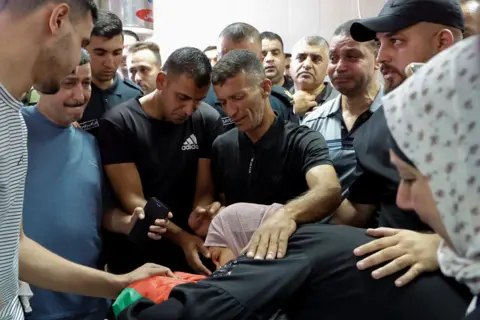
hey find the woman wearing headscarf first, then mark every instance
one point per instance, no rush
(434, 119)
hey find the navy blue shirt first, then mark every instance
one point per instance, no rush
(103, 100)
(377, 179)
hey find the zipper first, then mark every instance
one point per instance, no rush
(250, 166)
(250, 170)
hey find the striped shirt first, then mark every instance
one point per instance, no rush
(13, 169)
(328, 120)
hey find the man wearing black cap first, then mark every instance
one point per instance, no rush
(407, 31)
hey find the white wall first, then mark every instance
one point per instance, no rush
(179, 23)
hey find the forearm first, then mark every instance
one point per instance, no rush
(116, 220)
(133, 201)
(351, 214)
(315, 204)
(44, 269)
(226, 255)
(174, 233)
(203, 199)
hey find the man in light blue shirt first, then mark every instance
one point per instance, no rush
(353, 72)
(63, 192)
(64, 207)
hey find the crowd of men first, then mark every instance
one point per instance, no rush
(257, 153)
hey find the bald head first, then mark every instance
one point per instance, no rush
(471, 12)
(239, 36)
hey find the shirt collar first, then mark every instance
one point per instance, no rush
(377, 102)
(113, 87)
(326, 92)
(267, 140)
(8, 99)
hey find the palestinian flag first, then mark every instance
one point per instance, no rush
(153, 290)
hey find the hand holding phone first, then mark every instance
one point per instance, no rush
(153, 210)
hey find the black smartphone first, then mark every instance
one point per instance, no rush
(154, 209)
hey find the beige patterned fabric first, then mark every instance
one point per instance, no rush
(434, 117)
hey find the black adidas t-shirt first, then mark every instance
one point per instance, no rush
(166, 156)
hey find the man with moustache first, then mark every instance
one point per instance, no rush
(66, 214)
(353, 72)
(309, 69)
(405, 243)
(274, 59)
(241, 35)
(108, 89)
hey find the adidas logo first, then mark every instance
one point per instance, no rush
(190, 143)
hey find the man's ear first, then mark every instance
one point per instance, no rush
(445, 39)
(266, 86)
(58, 17)
(161, 80)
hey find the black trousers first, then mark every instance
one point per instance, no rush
(318, 279)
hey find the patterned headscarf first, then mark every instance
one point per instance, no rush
(434, 117)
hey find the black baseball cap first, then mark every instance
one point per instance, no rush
(400, 14)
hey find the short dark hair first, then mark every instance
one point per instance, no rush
(271, 36)
(132, 34)
(79, 8)
(240, 31)
(209, 48)
(191, 62)
(236, 62)
(84, 58)
(344, 30)
(108, 25)
(146, 45)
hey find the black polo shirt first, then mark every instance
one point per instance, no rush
(281, 101)
(377, 179)
(166, 156)
(271, 170)
(103, 100)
